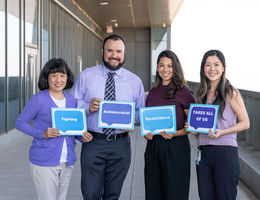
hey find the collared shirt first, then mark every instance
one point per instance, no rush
(91, 84)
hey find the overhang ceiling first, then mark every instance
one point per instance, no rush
(131, 13)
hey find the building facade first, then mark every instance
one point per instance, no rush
(31, 32)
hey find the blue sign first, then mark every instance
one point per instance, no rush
(69, 121)
(157, 119)
(202, 118)
(116, 114)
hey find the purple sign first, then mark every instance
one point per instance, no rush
(202, 118)
(115, 114)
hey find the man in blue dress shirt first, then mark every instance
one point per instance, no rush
(106, 158)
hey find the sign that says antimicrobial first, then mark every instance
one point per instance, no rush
(202, 118)
(157, 119)
(116, 114)
(69, 121)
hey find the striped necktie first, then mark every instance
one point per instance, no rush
(110, 95)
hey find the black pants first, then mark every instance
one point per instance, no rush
(167, 168)
(218, 172)
(104, 165)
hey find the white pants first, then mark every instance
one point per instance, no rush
(51, 183)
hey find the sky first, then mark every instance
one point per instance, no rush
(231, 26)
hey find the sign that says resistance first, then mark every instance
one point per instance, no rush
(157, 119)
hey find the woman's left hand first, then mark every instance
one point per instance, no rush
(217, 134)
(166, 136)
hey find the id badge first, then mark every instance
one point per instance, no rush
(198, 156)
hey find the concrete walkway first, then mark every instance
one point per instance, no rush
(16, 184)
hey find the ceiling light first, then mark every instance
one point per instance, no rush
(163, 25)
(104, 3)
(113, 20)
(116, 24)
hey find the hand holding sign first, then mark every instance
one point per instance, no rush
(166, 136)
(202, 118)
(94, 105)
(51, 133)
(148, 136)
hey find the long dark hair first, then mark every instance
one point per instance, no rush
(224, 87)
(178, 80)
(52, 66)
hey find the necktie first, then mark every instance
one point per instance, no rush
(110, 92)
(110, 95)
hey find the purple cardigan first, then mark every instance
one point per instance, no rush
(45, 152)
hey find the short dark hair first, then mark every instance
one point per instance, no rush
(52, 66)
(113, 37)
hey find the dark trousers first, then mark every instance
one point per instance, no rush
(104, 165)
(218, 172)
(167, 168)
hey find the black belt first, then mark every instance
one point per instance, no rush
(110, 137)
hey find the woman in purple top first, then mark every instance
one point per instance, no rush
(51, 156)
(167, 156)
(218, 169)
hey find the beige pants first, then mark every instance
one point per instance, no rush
(51, 183)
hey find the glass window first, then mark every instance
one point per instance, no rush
(45, 32)
(31, 19)
(13, 49)
(159, 43)
(2, 66)
(53, 33)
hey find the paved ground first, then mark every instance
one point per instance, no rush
(16, 184)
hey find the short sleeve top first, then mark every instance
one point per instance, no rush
(182, 100)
